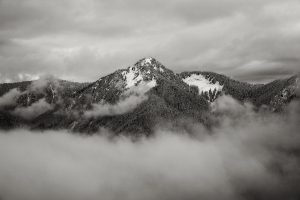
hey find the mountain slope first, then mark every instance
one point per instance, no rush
(131, 101)
(211, 85)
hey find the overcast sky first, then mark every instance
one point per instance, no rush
(83, 40)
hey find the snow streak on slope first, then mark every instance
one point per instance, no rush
(137, 73)
(132, 77)
(202, 83)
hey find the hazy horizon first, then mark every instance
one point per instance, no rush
(256, 80)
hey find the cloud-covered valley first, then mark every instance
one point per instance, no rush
(142, 132)
(248, 155)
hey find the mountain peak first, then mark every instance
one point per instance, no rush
(151, 64)
(146, 62)
(143, 70)
(146, 70)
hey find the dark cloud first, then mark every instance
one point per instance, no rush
(83, 40)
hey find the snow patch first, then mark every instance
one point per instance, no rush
(146, 61)
(202, 83)
(151, 83)
(131, 77)
(135, 76)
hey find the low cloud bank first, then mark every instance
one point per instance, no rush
(10, 98)
(43, 82)
(123, 106)
(129, 101)
(249, 155)
(33, 110)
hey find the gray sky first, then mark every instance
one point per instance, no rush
(85, 39)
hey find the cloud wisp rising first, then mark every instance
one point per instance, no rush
(129, 100)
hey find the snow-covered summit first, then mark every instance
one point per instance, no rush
(150, 63)
(146, 61)
(145, 70)
(133, 76)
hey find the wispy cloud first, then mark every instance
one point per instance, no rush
(131, 98)
(10, 97)
(34, 110)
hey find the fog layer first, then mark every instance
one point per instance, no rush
(248, 155)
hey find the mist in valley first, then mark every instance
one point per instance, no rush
(247, 155)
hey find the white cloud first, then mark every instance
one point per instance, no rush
(10, 97)
(251, 158)
(131, 98)
(34, 110)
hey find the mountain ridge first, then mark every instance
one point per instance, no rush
(132, 100)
